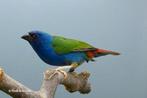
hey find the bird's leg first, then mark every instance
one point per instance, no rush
(73, 67)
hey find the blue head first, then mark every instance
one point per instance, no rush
(41, 43)
(37, 38)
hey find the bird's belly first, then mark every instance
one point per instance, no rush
(54, 60)
(64, 60)
(50, 57)
(75, 57)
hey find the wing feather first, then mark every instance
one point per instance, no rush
(63, 45)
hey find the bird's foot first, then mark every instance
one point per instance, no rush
(59, 70)
(73, 67)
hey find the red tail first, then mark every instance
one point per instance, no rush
(100, 52)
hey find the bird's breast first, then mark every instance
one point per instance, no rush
(48, 55)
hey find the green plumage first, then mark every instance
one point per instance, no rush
(63, 45)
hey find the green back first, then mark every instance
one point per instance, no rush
(63, 45)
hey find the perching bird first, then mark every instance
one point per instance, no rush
(60, 51)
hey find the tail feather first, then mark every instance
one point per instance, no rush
(114, 53)
(105, 52)
(99, 52)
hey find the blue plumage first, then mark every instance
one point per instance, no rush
(60, 51)
(43, 47)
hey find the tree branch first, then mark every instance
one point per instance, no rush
(52, 78)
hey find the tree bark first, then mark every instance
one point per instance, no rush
(52, 78)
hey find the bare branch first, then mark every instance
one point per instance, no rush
(52, 78)
(14, 88)
(77, 82)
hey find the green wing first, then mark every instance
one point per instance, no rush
(63, 45)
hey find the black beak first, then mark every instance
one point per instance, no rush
(30, 37)
(27, 37)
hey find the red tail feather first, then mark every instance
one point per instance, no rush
(102, 51)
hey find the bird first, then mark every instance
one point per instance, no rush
(63, 52)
